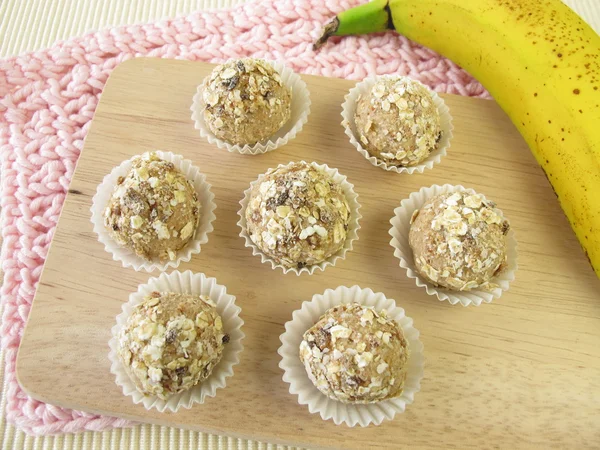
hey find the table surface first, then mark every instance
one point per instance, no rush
(525, 368)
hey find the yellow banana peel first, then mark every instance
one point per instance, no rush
(541, 63)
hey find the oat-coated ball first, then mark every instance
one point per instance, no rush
(459, 241)
(355, 354)
(245, 101)
(397, 121)
(298, 215)
(171, 342)
(154, 210)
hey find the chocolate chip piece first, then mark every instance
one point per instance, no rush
(231, 82)
(323, 338)
(171, 336)
(217, 110)
(271, 203)
(226, 339)
(134, 200)
(354, 381)
(282, 198)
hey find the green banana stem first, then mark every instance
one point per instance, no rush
(371, 17)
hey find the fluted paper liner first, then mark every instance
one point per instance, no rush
(353, 225)
(127, 257)
(300, 109)
(187, 283)
(399, 232)
(295, 374)
(349, 107)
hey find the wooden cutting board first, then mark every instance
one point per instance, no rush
(523, 371)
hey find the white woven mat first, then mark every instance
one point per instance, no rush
(27, 25)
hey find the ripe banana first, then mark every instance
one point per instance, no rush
(541, 63)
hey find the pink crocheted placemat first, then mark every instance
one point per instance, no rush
(48, 98)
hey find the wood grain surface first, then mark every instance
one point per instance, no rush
(521, 372)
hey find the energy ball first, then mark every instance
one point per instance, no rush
(171, 342)
(459, 241)
(355, 354)
(398, 122)
(154, 210)
(298, 215)
(245, 101)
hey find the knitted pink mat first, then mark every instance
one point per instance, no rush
(48, 98)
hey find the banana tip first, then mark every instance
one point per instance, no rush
(328, 30)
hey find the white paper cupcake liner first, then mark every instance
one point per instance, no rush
(349, 107)
(127, 257)
(295, 374)
(299, 116)
(399, 232)
(187, 283)
(353, 223)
